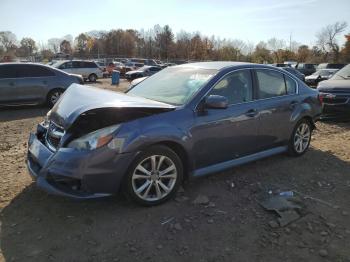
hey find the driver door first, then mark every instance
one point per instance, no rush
(224, 134)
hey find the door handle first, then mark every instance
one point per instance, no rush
(251, 112)
(293, 104)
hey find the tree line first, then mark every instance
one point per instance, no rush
(161, 43)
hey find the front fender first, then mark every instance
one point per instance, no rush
(137, 138)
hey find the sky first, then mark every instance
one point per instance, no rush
(248, 20)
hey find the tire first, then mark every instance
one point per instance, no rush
(150, 188)
(302, 132)
(92, 78)
(53, 97)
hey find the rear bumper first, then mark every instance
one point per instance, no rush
(76, 174)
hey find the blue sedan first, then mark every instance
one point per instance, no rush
(185, 121)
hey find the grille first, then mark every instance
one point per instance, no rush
(53, 136)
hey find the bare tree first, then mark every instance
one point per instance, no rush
(7, 40)
(274, 45)
(54, 44)
(327, 39)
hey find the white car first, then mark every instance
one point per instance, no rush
(88, 69)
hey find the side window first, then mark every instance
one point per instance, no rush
(271, 83)
(33, 71)
(66, 65)
(8, 71)
(300, 66)
(77, 64)
(236, 87)
(90, 65)
(291, 85)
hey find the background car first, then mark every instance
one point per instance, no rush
(115, 66)
(88, 69)
(141, 72)
(335, 93)
(306, 69)
(294, 72)
(280, 65)
(319, 75)
(330, 66)
(29, 83)
(185, 121)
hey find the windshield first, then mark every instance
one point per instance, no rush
(343, 73)
(175, 85)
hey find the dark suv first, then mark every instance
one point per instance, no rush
(185, 121)
(306, 69)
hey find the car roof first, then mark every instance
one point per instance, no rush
(214, 65)
(24, 63)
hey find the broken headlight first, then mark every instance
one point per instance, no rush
(95, 139)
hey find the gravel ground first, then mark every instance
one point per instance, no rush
(217, 218)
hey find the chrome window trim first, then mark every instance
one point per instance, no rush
(258, 99)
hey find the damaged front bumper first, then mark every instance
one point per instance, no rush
(76, 174)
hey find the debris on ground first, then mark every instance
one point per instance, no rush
(201, 200)
(286, 207)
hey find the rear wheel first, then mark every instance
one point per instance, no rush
(53, 97)
(300, 139)
(154, 176)
(92, 78)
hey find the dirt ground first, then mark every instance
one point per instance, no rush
(229, 224)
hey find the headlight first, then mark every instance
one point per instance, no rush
(95, 139)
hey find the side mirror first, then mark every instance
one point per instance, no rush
(216, 102)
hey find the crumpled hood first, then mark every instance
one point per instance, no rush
(334, 85)
(78, 99)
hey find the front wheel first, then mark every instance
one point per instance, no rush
(300, 139)
(154, 176)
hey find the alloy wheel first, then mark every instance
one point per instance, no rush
(154, 177)
(55, 96)
(302, 138)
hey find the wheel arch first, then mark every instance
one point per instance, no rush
(52, 90)
(180, 151)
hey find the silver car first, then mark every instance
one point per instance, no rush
(30, 84)
(88, 69)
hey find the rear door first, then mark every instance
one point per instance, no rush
(277, 102)
(7, 84)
